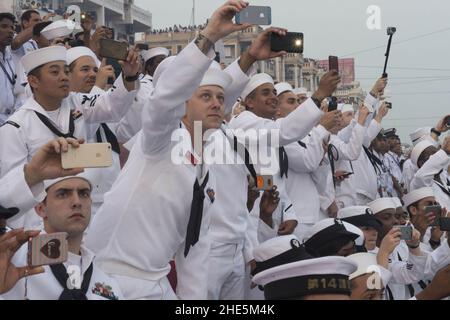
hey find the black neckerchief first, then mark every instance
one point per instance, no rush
(48, 123)
(60, 273)
(110, 137)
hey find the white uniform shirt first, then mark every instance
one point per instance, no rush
(45, 286)
(303, 162)
(143, 222)
(409, 170)
(6, 87)
(424, 177)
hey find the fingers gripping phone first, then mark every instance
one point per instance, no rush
(47, 249)
(113, 49)
(264, 183)
(256, 15)
(436, 210)
(88, 155)
(292, 42)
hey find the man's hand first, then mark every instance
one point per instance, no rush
(379, 87)
(332, 210)
(387, 246)
(442, 126)
(382, 112)
(446, 145)
(328, 84)
(331, 119)
(260, 48)
(414, 242)
(9, 273)
(132, 65)
(104, 73)
(48, 16)
(363, 114)
(340, 176)
(252, 193)
(46, 163)
(268, 204)
(221, 22)
(287, 227)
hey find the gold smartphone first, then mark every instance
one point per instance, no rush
(88, 155)
(47, 249)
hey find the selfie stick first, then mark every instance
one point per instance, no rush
(390, 32)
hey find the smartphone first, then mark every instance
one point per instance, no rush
(347, 174)
(47, 249)
(406, 232)
(388, 105)
(444, 224)
(292, 42)
(113, 49)
(88, 155)
(257, 15)
(333, 63)
(142, 46)
(437, 210)
(332, 104)
(264, 183)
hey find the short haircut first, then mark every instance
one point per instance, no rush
(37, 29)
(26, 16)
(36, 72)
(7, 15)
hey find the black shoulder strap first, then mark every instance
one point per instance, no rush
(110, 137)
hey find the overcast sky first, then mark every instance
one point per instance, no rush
(419, 68)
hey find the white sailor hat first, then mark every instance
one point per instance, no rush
(367, 264)
(329, 231)
(151, 53)
(420, 134)
(92, 176)
(327, 275)
(277, 251)
(78, 52)
(58, 29)
(381, 204)
(283, 87)
(417, 195)
(216, 77)
(256, 81)
(418, 149)
(397, 202)
(300, 90)
(346, 108)
(360, 216)
(39, 57)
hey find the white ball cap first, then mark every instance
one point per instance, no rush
(346, 108)
(37, 58)
(418, 149)
(397, 202)
(367, 263)
(151, 53)
(92, 176)
(353, 211)
(256, 81)
(420, 134)
(318, 266)
(283, 87)
(216, 77)
(300, 90)
(274, 247)
(78, 52)
(382, 204)
(417, 195)
(58, 29)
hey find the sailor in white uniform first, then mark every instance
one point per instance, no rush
(55, 112)
(66, 208)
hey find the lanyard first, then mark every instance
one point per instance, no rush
(11, 77)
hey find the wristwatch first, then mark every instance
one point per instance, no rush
(433, 130)
(133, 78)
(317, 102)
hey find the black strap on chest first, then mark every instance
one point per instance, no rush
(48, 123)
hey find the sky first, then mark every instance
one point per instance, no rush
(419, 65)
